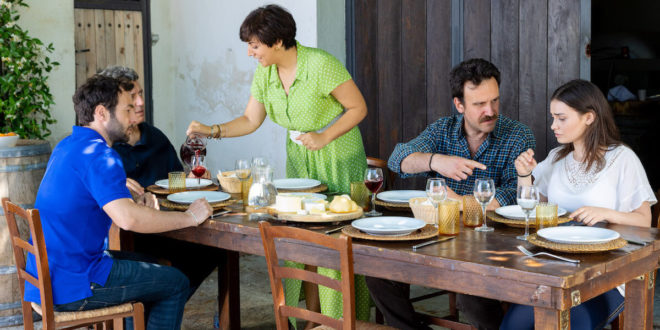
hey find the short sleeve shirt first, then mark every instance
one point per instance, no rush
(83, 175)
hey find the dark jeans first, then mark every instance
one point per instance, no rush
(162, 289)
(594, 313)
(393, 300)
(194, 260)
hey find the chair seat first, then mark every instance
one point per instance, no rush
(359, 325)
(88, 314)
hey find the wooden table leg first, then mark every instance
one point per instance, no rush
(547, 318)
(638, 309)
(229, 303)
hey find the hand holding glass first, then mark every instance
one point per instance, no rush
(373, 179)
(484, 191)
(527, 197)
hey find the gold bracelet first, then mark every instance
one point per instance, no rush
(216, 131)
(219, 131)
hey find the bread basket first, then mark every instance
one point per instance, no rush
(423, 209)
(229, 182)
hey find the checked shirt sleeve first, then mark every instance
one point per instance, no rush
(425, 143)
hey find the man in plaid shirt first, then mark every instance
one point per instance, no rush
(476, 143)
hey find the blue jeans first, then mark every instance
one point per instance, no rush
(163, 290)
(594, 313)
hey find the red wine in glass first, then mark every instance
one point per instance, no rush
(198, 171)
(197, 167)
(373, 185)
(190, 148)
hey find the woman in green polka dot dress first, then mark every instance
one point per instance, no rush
(304, 90)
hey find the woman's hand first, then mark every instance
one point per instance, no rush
(313, 140)
(525, 163)
(197, 128)
(590, 215)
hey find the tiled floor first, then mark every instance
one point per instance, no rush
(256, 301)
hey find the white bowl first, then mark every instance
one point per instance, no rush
(8, 141)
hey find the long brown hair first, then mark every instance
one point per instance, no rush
(585, 97)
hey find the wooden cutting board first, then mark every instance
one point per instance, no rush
(328, 217)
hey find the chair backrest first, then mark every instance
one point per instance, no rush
(380, 163)
(38, 249)
(269, 234)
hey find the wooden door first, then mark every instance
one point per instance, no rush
(403, 50)
(107, 37)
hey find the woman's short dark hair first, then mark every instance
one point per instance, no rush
(97, 90)
(269, 24)
(473, 70)
(584, 97)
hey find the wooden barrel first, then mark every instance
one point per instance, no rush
(21, 169)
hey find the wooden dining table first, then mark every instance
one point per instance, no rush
(485, 264)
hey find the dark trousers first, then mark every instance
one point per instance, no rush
(193, 260)
(393, 300)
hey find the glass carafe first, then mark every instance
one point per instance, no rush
(262, 191)
(189, 148)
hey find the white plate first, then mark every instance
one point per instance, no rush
(578, 234)
(516, 213)
(296, 183)
(390, 226)
(190, 183)
(306, 196)
(188, 197)
(400, 196)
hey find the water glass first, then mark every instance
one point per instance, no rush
(176, 181)
(484, 192)
(546, 215)
(243, 172)
(472, 215)
(527, 197)
(449, 215)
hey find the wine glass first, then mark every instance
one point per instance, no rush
(527, 197)
(242, 170)
(373, 179)
(484, 191)
(436, 190)
(198, 165)
(190, 147)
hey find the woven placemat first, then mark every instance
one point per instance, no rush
(398, 206)
(183, 207)
(577, 248)
(518, 223)
(320, 188)
(164, 191)
(427, 232)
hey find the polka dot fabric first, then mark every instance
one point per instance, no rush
(310, 107)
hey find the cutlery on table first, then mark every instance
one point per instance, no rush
(530, 254)
(421, 245)
(334, 230)
(636, 241)
(219, 213)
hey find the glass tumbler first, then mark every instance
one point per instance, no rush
(546, 215)
(176, 181)
(449, 216)
(472, 215)
(360, 194)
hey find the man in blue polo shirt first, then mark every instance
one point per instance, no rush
(477, 142)
(148, 156)
(82, 193)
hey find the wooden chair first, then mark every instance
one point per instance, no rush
(655, 211)
(382, 164)
(346, 285)
(50, 318)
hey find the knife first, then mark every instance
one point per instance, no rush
(415, 247)
(638, 242)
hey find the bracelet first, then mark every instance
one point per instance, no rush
(430, 161)
(216, 132)
(524, 176)
(194, 217)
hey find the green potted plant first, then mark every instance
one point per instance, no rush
(25, 98)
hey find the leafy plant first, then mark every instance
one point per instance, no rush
(25, 98)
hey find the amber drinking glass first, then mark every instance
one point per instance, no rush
(546, 215)
(176, 181)
(449, 215)
(472, 215)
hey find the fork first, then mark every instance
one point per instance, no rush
(530, 254)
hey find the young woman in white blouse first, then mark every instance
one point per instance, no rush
(593, 176)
